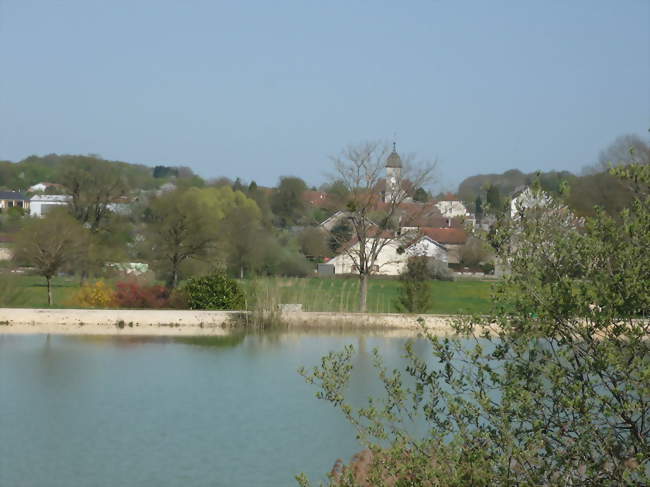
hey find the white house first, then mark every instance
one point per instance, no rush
(40, 204)
(393, 257)
(452, 208)
(40, 187)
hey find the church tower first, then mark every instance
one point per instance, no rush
(393, 175)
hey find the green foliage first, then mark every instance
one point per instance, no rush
(550, 388)
(313, 242)
(50, 244)
(216, 291)
(340, 234)
(478, 208)
(415, 296)
(421, 195)
(165, 172)
(287, 203)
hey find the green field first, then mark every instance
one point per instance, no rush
(341, 294)
(315, 294)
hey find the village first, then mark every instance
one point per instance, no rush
(442, 229)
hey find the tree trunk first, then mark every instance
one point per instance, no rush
(49, 291)
(363, 292)
(174, 281)
(241, 271)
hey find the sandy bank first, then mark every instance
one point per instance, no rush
(196, 323)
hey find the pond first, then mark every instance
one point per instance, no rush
(131, 411)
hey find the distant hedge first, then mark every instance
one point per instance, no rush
(217, 291)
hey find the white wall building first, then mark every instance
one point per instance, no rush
(40, 204)
(392, 258)
(452, 208)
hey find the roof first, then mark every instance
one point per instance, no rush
(315, 198)
(425, 237)
(52, 197)
(446, 236)
(449, 197)
(12, 195)
(394, 160)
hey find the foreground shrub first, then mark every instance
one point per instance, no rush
(551, 388)
(95, 295)
(133, 294)
(217, 291)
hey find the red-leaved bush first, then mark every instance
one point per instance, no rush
(132, 294)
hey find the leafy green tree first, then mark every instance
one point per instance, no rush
(50, 244)
(163, 172)
(494, 201)
(421, 195)
(313, 242)
(551, 388)
(478, 208)
(242, 230)
(287, 202)
(180, 228)
(415, 294)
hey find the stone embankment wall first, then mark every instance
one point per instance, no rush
(190, 322)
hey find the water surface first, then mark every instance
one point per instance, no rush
(107, 411)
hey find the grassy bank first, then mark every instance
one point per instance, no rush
(341, 294)
(315, 294)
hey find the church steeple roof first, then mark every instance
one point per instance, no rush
(394, 160)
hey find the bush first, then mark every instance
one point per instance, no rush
(96, 295)
(415, 294)
(217, 291)
(133, 294)
(487, 268)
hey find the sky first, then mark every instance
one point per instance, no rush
(263, 89)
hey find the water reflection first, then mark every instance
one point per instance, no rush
(168, 411)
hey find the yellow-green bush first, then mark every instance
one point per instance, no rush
(94, 295)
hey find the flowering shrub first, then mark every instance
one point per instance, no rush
(132, 294)
(96, 295)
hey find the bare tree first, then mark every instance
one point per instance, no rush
(93, 185)
(375, 205)
(626, 149)
(49, 244)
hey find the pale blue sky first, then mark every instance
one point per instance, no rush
(264, 89)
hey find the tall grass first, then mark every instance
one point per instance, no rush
(342, 295)
(12, 293)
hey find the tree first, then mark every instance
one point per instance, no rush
(286, 202)
(93, 186)
(340, 234)
(415, 294)
(49, 244)
(421, 195)
(180, 228)
(478, 208)
(313, 242)
(624, 150)
(494, 201)
(551, 388)
(474, 252)
(242, 228)
(375, 204)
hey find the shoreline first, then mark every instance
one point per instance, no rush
(29, 321)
